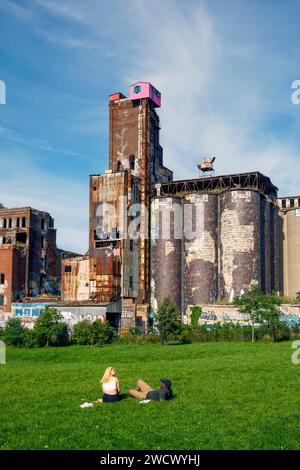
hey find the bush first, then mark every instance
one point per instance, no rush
(83, 333)
(14, 332)
(282, 332)
(29, 338)
(49, 330)
(167, 320)
(103, 333)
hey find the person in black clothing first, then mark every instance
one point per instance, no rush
(144, 391)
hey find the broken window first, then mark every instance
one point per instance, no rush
(292, 203)
(131, 162)
(23, 222)
(4, 241)
(68, 269)
(18, 222)
(21, 237)
(119, 166)
(2, 278)
(284, 203)
(9, 223)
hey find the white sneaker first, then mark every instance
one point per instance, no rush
(86, 405)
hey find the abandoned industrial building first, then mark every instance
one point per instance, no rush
(248, 234)
(240, 232)
(29, 259)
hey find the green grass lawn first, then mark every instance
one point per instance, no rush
(228, 396)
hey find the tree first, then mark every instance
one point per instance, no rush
(260, 307)
(195, 316)
(13, 333)
(50, 330)
(167, 320)
(2, 206)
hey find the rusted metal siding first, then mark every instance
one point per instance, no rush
(106, 248)
(166, 253)
(76, 279)
(240, 241)
(201, 252)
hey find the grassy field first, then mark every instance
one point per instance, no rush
(228, 396)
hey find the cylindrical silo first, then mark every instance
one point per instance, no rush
(200, 249)
(240, 241)
(278, 249)
(265, 244)
(166, 246)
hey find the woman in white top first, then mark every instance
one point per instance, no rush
(110, 386)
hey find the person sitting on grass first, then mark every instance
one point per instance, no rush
(144, 391)
(110, 386)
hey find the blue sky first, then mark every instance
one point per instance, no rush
(224, 68)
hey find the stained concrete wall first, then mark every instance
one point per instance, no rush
(200, 257)
(291, 251)
(166, 251)
(240, 241)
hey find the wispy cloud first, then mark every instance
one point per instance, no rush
(12, 136)
(61, 9)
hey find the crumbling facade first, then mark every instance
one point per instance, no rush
(29, 259)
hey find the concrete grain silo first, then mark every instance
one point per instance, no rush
(290, 213)
(240, 238)
(200, 254)
(166, 247)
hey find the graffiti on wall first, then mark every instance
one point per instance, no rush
(288, 313)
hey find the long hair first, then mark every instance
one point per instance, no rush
(107, 375)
